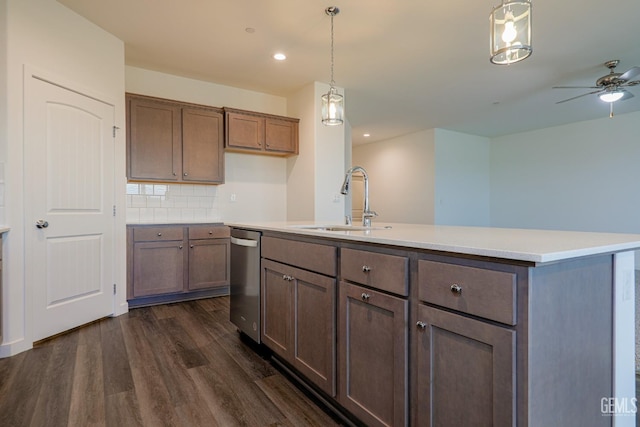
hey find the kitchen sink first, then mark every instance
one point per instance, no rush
(339, 227)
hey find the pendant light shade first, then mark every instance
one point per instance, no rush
(332, 101)
(510, 39)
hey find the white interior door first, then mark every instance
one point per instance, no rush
(69, 190)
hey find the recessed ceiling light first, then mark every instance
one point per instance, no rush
(366, 135)
(250, 30)
(279, 56)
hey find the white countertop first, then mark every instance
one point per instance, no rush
(510, 243)
(4, 229)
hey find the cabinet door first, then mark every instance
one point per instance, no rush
(314, 330)
(154, 140)
(277, 315)
(208, 263)
(158, 268)
(373, 356)
(466, 371)
(245, 131)
(281, 135)
(202, 145)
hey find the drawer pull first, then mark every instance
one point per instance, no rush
(365, 297)
(366, 268)
(210, 233)
(287, 278)
(456, 289)
(191, 246)
(159, 234)
(180, 247)
(421, 325)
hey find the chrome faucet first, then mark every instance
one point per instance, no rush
(367, 213)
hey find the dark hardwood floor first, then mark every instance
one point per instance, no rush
(180, 364)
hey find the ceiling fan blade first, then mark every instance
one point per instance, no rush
(630, 73)
(579, 96)
(627, 95)
(575, 87)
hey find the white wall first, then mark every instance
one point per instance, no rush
(315, 175)
(257, 183)
(462, 185)
(581, 176)
(401, 177)
(47, 36)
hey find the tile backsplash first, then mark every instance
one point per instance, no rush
(172, 203)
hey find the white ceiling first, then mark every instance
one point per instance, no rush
(405, 65)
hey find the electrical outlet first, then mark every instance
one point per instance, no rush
(233, 198)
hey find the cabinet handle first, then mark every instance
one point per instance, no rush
(191, 246)
(365, 297)
(287, 278)
(366, 268)
(421, 325)
(185, 174)
(210, 233)
(180, 247)
(456, 289)
(159, 234)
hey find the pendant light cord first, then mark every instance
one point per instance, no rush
(332, 81)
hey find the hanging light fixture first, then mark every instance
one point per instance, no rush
(332, 101)
(510, 39)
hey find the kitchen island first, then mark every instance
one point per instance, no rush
(441, 325)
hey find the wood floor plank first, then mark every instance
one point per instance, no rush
(87, 398)
(292, 402)
(122, 409)
(52, 407)
(115, 362)
(185, 347)
(152, 394)
(17, 405)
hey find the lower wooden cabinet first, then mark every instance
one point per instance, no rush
(158, 268)
(465, 371)
(174, 262)
(373, 355)
(298, 320)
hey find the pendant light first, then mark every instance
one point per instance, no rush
(332, 101)
(510, 39)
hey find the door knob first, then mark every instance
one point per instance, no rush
(41, 223)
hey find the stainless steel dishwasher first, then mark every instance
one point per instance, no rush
(245, 282)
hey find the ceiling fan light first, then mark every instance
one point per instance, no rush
(510, 32)
(611, 96)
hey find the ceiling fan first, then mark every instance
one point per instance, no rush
(611, 87)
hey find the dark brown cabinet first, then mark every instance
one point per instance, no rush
(173, 263)
(257, 133)
(463, 362)
(169, 141)
(298, 312)
(373, 355)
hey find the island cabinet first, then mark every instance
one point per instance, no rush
(298, 307)
(465, 366)
(168, 263)
(373, 336)
(257, 133)
(171, 141)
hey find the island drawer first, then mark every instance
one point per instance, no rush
(309, 256)
(377, 270)
(156, 234)
(209, 232)
(485, 293)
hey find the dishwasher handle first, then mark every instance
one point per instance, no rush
(244, 242)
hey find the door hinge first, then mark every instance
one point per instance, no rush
(115, 128)
(114, 210)
(114, 288)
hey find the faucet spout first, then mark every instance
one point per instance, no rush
(367, 213)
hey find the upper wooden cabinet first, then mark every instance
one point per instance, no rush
(170, 141)
(258, 133)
